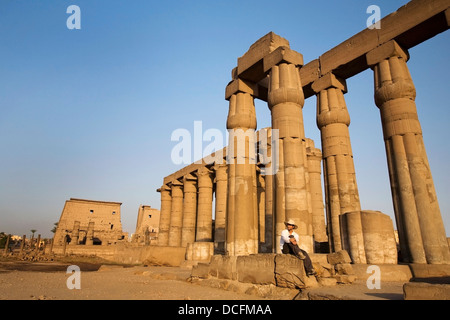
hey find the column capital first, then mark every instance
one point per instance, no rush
(163, 188)
(329, 81)
(176, 183)
(282, 55)
(189, 177)
(385, 51)
(241, 86)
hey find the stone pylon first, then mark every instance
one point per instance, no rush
(166, 209)
(421, 230)
(242, 220)
(189, 209)
(292, 200)
(333, 121)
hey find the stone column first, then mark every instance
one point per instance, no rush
(242, 223)
(286, 100)
(204, 207)
(189, 209)
(164, 220)
(75, 233)
(333, 120)
(267, 164)
(261, 205)
(176, 214)
(8, 238)
(22, 244)
(89, 234)
(314, 157)
(421, 230)
(221, 181)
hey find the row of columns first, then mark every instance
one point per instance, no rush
(419, 222)
(251, 208)
(186, 208)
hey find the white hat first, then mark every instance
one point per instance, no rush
(291, 222)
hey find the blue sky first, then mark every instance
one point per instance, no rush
(89, 113)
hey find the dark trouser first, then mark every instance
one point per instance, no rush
(289, 248)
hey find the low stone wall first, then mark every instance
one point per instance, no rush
(284, 271)
(130, 254)
(426, 291)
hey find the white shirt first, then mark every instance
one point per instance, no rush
(285, 237)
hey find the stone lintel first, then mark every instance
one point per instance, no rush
(410, 25)
(447, 17)
(385, 51)
(238, 85)
(234, 73)
(309, 73)
(282, 55)
(329, 81)
(250, 65)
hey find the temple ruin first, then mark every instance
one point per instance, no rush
(89, 222)
(147, 225)
(252, 201)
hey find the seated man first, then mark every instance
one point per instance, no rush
(289, 245)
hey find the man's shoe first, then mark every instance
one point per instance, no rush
(312, 273)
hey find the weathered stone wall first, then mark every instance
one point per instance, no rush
(148, 219)
(105, 217)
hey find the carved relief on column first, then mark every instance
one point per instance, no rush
(419, 222)
(333, 121)
(189, 209)
(165, 212)
(204, 206)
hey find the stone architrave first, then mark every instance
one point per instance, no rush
(164, 222)
(421, 230)
(204, 205)
(221, 183)
(189, 209)
(176, 215)
(286, 100)
(333, 121)
(242, 220)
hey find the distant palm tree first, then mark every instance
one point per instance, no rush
(54, 228)
(33, 231)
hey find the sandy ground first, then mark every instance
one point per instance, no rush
(48, 281)
(22, 280)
